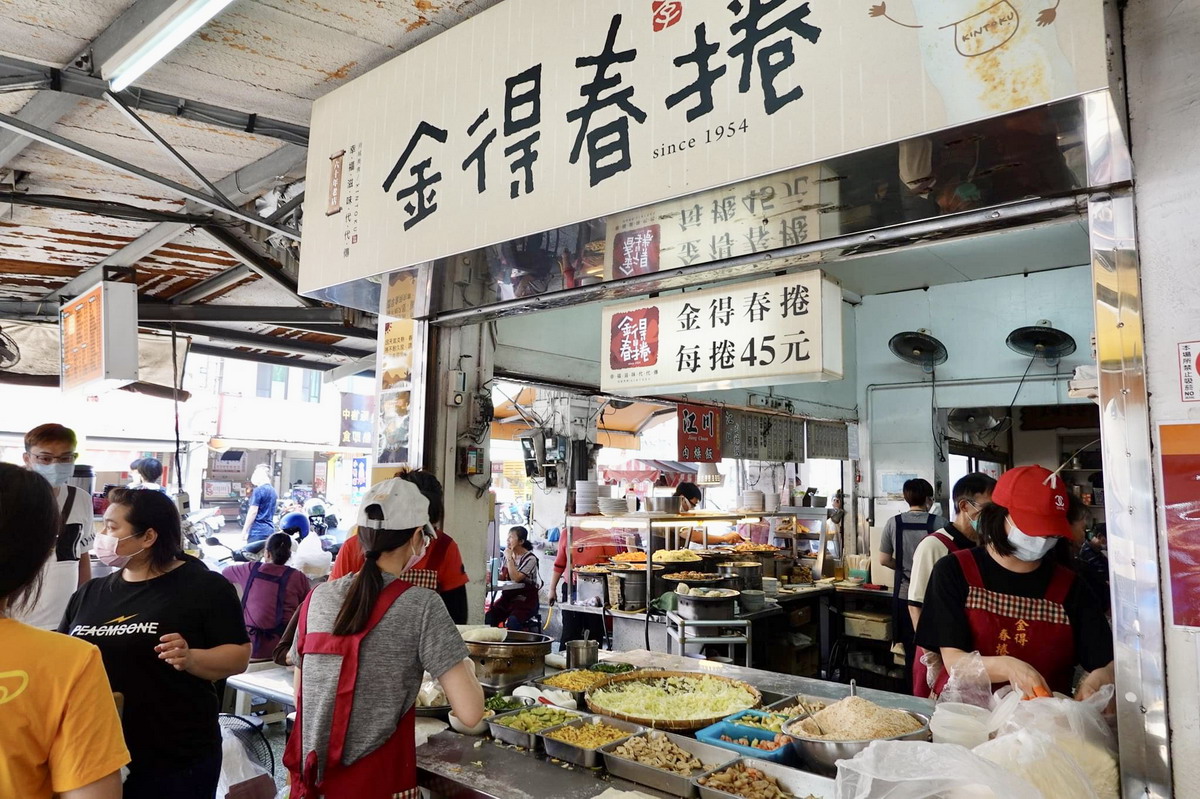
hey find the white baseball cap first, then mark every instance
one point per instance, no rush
(395, 504)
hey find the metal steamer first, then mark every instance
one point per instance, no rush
(514, 661)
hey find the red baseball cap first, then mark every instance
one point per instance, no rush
(1036, 500)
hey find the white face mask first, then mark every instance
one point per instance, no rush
(106, 550)
(56, 474)
(1030, 548)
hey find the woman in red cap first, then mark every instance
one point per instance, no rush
(1030, 618)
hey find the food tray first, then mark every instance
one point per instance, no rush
(660, 779)
(791, 700)
(578, 696)
(688, 725)
(529, 740)
(712, 735)
(798, 783)
(588, 758)
(434, 712)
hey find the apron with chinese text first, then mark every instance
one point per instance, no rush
(1036, 631)
(389, 772)
(920, 670)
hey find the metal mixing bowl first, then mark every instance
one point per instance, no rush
(821, 756)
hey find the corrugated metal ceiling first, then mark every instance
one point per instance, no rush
(265, 57)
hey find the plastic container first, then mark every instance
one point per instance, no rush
(958, 723)
(712, 735)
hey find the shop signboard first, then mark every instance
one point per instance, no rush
(780, 330)
(395, 366)
(1179, 451)
(699, 434)
(568, 111)
(357, 421)
(359, 475)
(98, 331)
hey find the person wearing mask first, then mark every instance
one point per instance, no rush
(59, 729)
(901, 535)
(442, 567)
(147, 472)
(970, 495)
(691, 497)
(260, 517)
(516, 607)
(1031, 619)
(271, 594)
(354, 731)
(51, 451)
(1092, 566)
(167, 628)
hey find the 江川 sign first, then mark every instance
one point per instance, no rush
(699, 433)
(767, 332)
(537, 114)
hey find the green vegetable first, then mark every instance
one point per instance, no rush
(503, 704)
(536, 719)
(612, 668)
(772, 722)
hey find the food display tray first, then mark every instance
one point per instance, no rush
(712, 735)
(791, 700)
(659, 779)
(687, 725)
(529, 740)
(794, 781)
(588, 758)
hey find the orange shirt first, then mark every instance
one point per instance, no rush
(451, 572)
(59, 728)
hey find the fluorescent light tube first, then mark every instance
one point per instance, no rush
(130, 64)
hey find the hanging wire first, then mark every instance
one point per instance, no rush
(176, 381)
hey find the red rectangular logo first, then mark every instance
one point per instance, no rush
(633, 340)
(635, 252)
(666, 13)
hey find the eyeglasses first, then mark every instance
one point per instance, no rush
(46, 460)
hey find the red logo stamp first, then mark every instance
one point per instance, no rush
(635, 252)
(666, 13)
(633, 341)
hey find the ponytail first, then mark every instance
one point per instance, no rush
(360, 601)
(368, 583)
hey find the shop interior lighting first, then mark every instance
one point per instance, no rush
(160, 37)
(707, 475)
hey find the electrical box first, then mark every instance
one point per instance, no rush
(456, 388)
(470, 461)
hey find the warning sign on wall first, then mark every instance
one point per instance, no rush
(1189, 367)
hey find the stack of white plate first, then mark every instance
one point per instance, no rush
(612, 506)
(753, 501)
(586, 494)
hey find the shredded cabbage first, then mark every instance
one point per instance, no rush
(673, 698)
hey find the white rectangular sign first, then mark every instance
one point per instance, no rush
(99, 338)
(537, 114)
(776, 331)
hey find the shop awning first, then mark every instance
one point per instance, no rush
(636, 471)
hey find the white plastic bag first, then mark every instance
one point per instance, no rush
(1080, 730)
(311, 558)
(241, 777)
(969, 683)
(1037, 758)
(918, 769)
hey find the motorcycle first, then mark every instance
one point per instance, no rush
(247, 554)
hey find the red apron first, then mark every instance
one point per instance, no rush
(1036, 631)
(389, 772)
(920, 670)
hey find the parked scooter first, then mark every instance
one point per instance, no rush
(248, 554)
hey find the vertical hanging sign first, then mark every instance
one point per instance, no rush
(699, 434)
(98, 334)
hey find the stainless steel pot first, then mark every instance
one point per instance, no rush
(582, 653)
(703, 608)
(661, 504)
(748, 572)
(821, 756)
(514, 661)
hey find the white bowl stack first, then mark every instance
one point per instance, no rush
(586, 495)
(753, 501)
(613, 506)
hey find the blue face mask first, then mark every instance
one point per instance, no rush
(56, 474)
(975, 524)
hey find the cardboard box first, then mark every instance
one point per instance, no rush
(866, 624)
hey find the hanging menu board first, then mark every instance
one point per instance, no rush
(99, 338)
(767, 332)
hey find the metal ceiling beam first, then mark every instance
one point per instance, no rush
(76, 83)
(364, 364)
(273, 360)
(164, 145)
(211, 285)
(345, 331)
(43, 109)
(329, 321)
(260, 340)
(83, 151)
(243, 251)
(240, 187)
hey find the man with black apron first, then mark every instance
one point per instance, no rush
(899, 541)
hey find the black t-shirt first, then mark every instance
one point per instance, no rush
(170, 716)
(944, 615)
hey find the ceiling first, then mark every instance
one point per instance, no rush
(63, 217)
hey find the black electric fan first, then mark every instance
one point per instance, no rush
(919, 348)
(10, 353)
(1042, 341)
